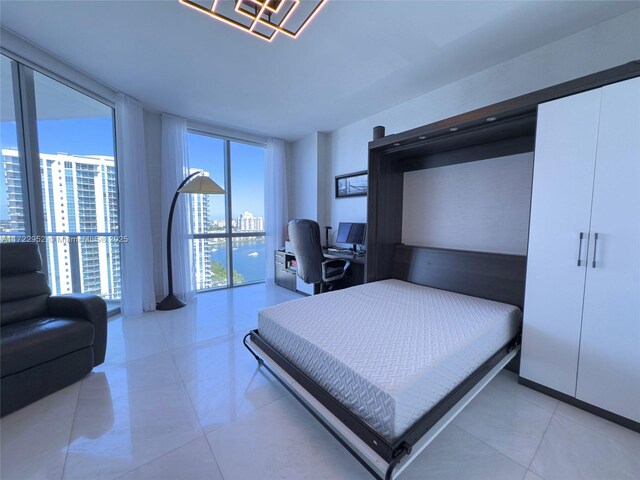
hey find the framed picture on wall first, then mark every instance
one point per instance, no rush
(352, 185)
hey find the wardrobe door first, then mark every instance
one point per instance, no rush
(609, 364)
(563, 172)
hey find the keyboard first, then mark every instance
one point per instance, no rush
(346, 251)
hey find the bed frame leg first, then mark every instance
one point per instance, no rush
(402, 451)
(389, 474)
(255, 355)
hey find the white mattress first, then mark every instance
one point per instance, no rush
(389, 350)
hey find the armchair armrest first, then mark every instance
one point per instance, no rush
(334, 264)
(88, 307)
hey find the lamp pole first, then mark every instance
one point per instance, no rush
(171, 302)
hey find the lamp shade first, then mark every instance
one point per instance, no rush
(201, 184)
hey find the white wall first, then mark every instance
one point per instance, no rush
(302, 178)
(597, 48)
(306, 173)
(43, 61)
(470, 206)
(310, 183)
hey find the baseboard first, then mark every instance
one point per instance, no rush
(600, 412)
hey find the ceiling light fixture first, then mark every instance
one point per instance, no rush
(261, 18)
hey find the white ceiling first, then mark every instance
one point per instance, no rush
(356, 58)
(53, 100)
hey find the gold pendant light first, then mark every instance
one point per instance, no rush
(262, 18)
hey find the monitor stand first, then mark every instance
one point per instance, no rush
(326, 236)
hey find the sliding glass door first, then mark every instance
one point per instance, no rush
(60, 173)
(229, 234)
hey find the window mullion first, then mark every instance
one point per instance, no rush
(17, 106)
(227, 179)
(27, 125)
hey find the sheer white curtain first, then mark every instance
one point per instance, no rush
(175, 167)
(275, 201)
(136, 255)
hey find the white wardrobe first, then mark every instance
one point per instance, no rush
(581, 331)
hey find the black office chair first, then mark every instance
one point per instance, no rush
(313, 267)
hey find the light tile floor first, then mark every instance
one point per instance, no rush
(180, 398)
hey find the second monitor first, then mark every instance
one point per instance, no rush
(353, 233)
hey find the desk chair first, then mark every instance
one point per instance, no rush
(313, 266)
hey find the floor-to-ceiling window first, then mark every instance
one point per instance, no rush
(229, 234)
(59, 180)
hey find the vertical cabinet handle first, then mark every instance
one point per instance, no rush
(580, 249)
(595, 249)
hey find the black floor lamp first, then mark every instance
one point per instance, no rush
(196, 182)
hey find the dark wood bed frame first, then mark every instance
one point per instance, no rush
(494, 276)
(486, 275)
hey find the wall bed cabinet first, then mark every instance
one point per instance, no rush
(581, 339)
(503, 129)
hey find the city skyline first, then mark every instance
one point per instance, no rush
(79, 195)
(77, 199)
(247, 164)
(209, 272)
(93, 136)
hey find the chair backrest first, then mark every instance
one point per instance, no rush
(305, 237)
(23, 287)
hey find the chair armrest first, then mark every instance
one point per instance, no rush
(88, 307)
(335, 263)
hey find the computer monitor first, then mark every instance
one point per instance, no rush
(352, 233)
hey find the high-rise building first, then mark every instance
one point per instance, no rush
(202, 247)
(248, 222)
(14, 222)
(80, 202)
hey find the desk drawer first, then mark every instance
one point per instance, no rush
(285, 278)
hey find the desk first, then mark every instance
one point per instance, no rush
(286, 276)
(361, 259)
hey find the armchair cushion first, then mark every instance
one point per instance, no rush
(38, 340)
(87, 307)
(24, 296)
(20, 257)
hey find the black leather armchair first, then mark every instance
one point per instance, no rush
(313, 266)
(46, 342)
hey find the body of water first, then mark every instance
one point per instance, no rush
(249, 257)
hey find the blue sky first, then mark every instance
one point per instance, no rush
(93, 136)
(84, 136)
(247, 173)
